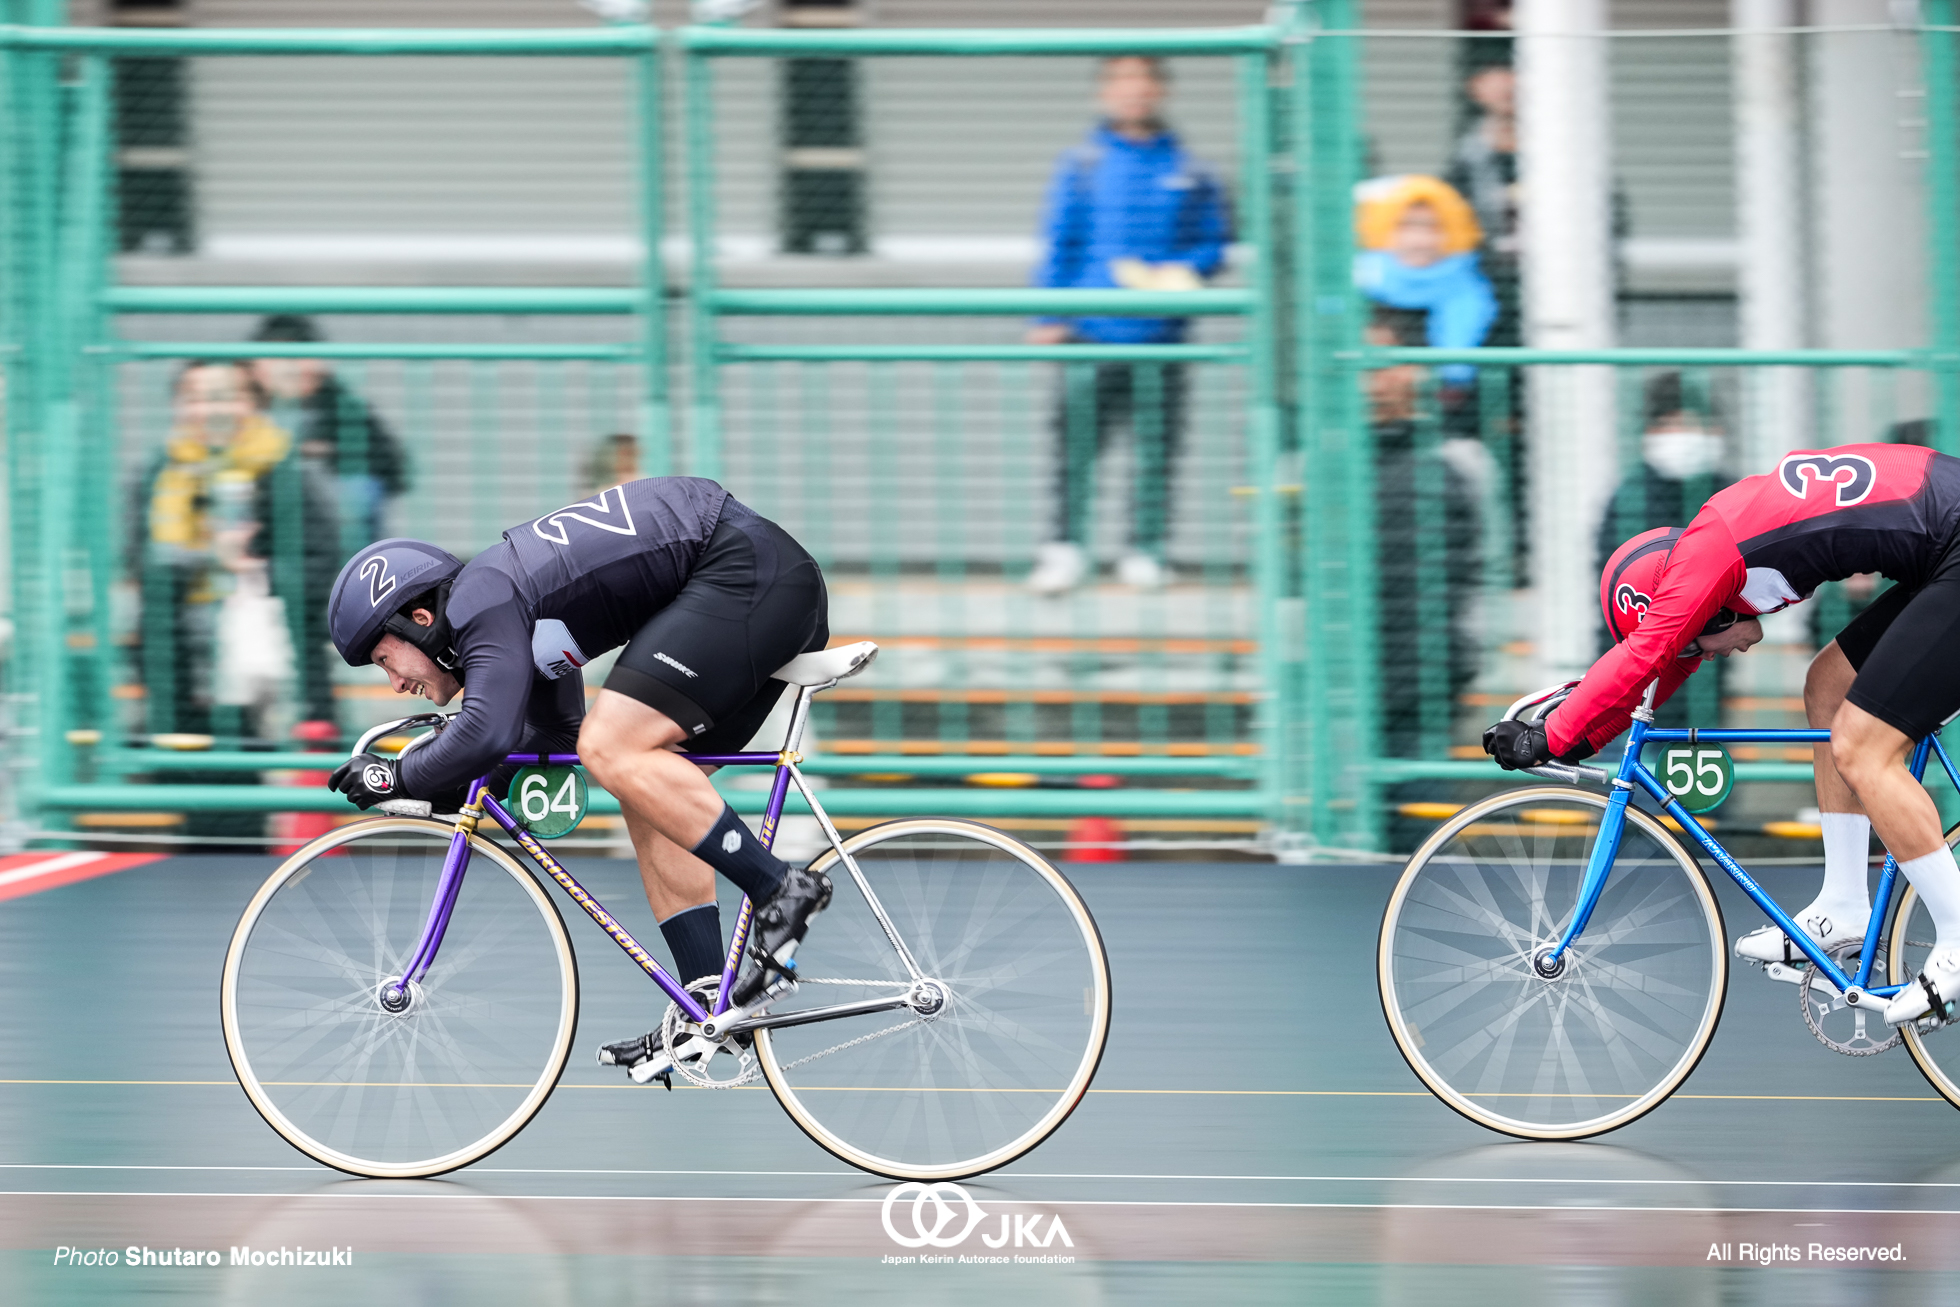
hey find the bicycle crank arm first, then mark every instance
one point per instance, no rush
(723, 1029)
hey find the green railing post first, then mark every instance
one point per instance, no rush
(704, 401)
(1338, 491)
(656, 428)
(1943, 213)
(1269, 571)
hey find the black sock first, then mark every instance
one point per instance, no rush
(694, 935)
(732, 849)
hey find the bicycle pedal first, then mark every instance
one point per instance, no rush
(654, 1068)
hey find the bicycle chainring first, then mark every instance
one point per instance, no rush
(1837, 1025)
(696, 1058)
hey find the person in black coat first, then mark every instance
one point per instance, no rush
(334, 428)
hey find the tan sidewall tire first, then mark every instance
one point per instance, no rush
(1467, 1107)
(1942, 1082)
(518, 1119)
(1078, 1085)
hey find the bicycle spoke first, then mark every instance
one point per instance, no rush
(991, 1073)
(1599, 1041)
(478, 1041)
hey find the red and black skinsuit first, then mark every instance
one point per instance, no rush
(1762, 544)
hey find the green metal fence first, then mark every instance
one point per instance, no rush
(1344, 529)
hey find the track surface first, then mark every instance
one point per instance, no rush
(1287, 1157)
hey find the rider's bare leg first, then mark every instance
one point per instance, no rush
(630, 749)
(1824, 687)
(1843, 905)
(1871, 755)
(1842, 909)
(675, 879)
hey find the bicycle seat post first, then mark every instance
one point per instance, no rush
(799, 717)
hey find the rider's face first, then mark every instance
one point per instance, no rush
(1739, 638)
(411, 671)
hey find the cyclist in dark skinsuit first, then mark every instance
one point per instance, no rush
(709, 599)
(1672, 598)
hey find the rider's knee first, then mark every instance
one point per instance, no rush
(598, 747)
(1858, 757)
(1821, 687)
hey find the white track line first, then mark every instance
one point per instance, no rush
(63, 862)
(1046, 1175)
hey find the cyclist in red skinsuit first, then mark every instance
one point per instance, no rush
(1889, 678)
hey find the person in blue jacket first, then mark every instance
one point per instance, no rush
(1129, 207)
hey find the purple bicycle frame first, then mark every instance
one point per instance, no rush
(458, 858)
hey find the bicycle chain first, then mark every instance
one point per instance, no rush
(753, 1072)
(861, 1039)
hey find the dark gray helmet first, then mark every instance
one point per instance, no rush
(372, 587)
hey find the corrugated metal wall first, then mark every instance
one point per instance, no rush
(425, 163)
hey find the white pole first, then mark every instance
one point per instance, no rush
(1769, 224)
(1566, 248)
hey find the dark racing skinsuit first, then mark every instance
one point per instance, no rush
(1769, 541)
(530, 611)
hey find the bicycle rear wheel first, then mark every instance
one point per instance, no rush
(454, 1075)
(1937, 1052)
(1012, 1051)
(1611, 1036)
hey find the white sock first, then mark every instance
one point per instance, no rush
(1937, 878)
(1847, 858)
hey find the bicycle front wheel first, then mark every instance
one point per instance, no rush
(1591, 1049)
(308, 990)
(994, 1070)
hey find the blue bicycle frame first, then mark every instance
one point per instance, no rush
(1633, 772)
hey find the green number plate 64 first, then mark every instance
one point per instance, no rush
(550, 801)
(1699, 775)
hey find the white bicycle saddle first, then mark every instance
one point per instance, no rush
(825, 665)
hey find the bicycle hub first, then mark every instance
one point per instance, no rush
(1549, 964)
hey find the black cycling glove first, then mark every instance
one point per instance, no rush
(1518, 745)
(367, 780)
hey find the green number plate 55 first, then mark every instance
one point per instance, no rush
(550, 801)
(1699, 775)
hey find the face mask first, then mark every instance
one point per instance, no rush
(1679, 455)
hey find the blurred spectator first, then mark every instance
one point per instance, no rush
(334, 427)
(615, 460)
(1127, 208)
(1428, 551)
(235, 533)
(1484, 170)
(1681, 451)
(1418, 238)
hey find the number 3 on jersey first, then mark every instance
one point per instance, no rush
(551, 801)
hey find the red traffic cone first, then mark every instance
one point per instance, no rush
(1090, 839)
(296, 829)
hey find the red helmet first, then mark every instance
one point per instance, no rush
(1632, 576)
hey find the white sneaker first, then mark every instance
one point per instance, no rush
(1930, 993)
(1769, 944)
(1058, 567)
(1141, 570)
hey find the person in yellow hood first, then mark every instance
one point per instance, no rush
(227, 509)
